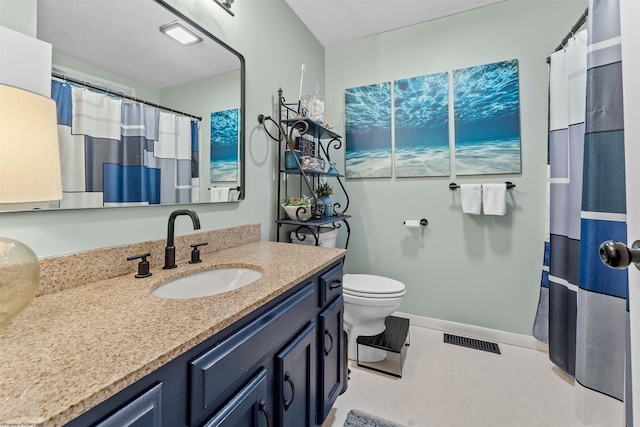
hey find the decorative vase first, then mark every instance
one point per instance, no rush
(328, 205)
(289, 161)
(292, 212)
(19, 278)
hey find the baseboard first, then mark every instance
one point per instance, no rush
(477, 332)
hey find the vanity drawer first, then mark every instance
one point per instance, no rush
(219, 372)
(330, 285)
(143, 410)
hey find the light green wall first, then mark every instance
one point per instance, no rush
(142, 90)
(275, 44)
(19, 15)
(476, 270)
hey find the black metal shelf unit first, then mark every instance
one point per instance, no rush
(292, 127)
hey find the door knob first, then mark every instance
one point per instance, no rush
(617, 255)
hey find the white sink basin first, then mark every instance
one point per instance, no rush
(207, 283)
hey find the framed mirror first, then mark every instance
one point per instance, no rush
(143, 119)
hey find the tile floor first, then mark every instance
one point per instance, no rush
(445, 385)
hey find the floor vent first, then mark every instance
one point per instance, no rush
(472, 343)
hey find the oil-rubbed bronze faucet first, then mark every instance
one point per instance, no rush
(170, 250)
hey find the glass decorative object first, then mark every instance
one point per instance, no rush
(19, 278)
(316, 107)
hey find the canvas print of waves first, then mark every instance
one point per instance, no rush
(422, 126)
(487, 119)
(224, 145)
(368, 131)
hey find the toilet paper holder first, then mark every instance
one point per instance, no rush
(415, 223)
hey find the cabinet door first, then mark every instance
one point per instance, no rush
(330, 359)
(296, 380)
(247, 408)
(143, 411)
(222, 368)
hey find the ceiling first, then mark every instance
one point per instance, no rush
(337, 21)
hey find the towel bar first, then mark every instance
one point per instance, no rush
(231, 189)
(510, 185)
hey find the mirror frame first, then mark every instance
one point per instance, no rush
(241, 138)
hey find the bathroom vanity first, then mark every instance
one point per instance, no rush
(109, 353)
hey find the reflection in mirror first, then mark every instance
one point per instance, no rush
(142, 118)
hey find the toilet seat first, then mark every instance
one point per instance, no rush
(365, 296)
(370, 286)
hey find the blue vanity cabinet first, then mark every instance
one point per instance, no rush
(296, 380)
(224, 368)
(278, 366)
(330, 285)
(331, 356)
(247, 407)
(143, 411)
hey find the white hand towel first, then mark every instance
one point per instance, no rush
(471, 198)
(195, 190)
(493, 199)
(214, 194)
(219, 194)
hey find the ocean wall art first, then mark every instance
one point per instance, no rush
(224, 145)
(487, 119)
(421, 121)
(368, 131)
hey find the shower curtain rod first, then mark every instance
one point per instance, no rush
(573, 30)
(122, 95)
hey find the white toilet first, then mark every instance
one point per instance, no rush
(368, 300)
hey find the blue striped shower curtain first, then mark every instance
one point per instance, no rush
(582, 312)
(116, 153)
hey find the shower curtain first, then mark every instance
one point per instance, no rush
(582, 311)
(116, 153)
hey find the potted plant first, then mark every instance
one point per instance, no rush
(297, 208)
(324, 194)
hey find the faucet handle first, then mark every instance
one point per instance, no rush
(143, 265)
(195, 252)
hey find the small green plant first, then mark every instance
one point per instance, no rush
(324, 190)
(297, 201)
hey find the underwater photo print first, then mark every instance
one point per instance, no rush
(487, 119)
(224, 145)
(368, 131)
(422, 126)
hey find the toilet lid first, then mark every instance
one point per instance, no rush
(367, 284)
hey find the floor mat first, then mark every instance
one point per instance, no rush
(357, 418)
(491, 347)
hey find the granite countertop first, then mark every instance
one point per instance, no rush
(68, 351)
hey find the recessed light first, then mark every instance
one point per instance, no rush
(182, 34)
